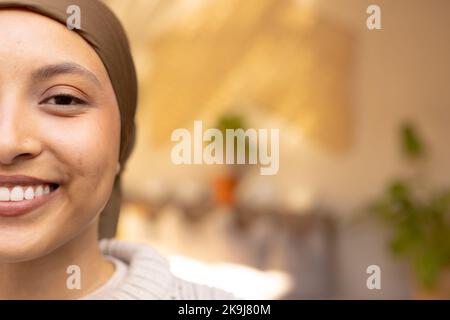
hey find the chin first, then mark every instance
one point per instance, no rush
(22, 246)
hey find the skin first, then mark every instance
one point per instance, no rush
(72, 141)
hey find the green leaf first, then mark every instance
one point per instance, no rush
(428, 266)
(411, 143)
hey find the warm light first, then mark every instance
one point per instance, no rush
(244, 282)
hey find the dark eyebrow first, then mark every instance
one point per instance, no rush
(54, 70)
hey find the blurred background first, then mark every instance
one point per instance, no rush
(364, 128)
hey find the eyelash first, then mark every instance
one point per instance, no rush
(73, 100)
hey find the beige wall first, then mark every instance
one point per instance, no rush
(401, 72)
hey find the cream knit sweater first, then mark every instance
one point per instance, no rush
(142, 273)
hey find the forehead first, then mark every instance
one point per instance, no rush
(30, 40)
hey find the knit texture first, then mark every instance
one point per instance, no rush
(148, 276)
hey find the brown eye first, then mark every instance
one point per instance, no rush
(64, 100)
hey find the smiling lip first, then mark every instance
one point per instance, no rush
(17, 208)
(22, 181)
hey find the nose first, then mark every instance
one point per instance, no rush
(18, 141)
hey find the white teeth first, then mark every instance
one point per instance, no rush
(21, 193)
(4, 194)
(39, 191)
(16, 194)
(29, 193)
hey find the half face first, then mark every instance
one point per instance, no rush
(59, 135)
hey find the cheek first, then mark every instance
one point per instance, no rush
(87, 149)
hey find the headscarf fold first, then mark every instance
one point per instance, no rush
(105, 34)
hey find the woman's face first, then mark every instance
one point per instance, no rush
(59, 124)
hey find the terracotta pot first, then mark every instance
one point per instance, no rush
(224, 189)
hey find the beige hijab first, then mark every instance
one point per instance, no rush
(103, 31)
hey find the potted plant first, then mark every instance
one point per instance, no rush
(420, 222)
(226, 181)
